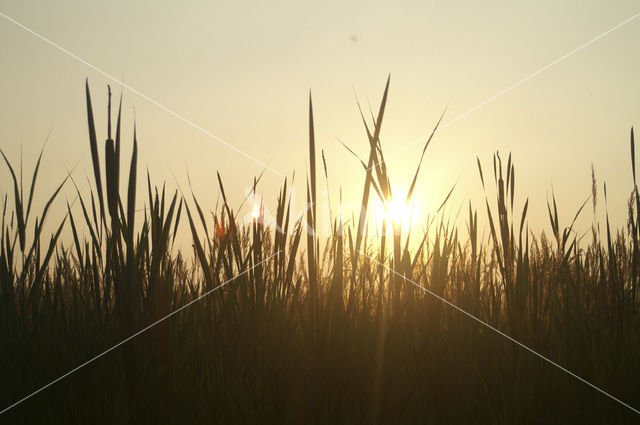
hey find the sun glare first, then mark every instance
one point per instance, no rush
(255, 212)
(397, 212)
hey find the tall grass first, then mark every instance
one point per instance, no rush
(321, 333)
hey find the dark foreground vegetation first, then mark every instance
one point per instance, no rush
(312, 330)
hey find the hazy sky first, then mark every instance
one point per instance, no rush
(243, 72)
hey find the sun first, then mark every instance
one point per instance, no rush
(256, 212)
(396, 212)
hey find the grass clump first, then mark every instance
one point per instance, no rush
(322, 333)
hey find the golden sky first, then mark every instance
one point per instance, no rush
(243, 70)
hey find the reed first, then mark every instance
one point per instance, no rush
(317, 332)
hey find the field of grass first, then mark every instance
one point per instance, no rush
(308, 329)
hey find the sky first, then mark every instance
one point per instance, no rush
(243, 71)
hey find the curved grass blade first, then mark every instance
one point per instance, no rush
(18, 204)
